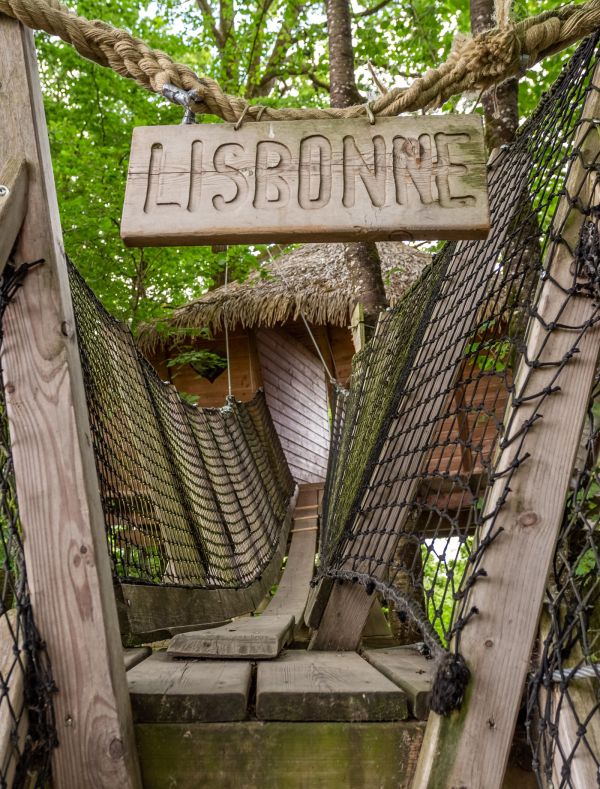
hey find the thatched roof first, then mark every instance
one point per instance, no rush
(312, 279)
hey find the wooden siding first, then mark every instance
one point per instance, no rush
(296, 393)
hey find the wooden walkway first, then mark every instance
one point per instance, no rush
(251, 714)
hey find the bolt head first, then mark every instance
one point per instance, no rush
(4, 190)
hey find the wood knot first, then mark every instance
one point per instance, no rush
(528, 518)
(115, 749)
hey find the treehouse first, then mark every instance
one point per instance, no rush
(123, 504)
(272, 347)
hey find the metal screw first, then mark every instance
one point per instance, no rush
(4, 191)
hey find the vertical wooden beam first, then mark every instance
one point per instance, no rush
(13, 200)
(65, 545)
(470, 748)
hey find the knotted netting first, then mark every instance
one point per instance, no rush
(444, 398)
(27, 732)
(194, 497)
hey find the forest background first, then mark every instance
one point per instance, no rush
(270, 51)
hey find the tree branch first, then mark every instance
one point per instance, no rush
(373, 10)
(204, 6)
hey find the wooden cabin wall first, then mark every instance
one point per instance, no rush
(335, 344)
(296, 392)
(246, 376)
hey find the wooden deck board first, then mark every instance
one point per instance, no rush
(326, 686)
(411, 671)
(164, 690)
(253, 755)
(132, 657)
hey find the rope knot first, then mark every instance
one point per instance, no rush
(493, 55)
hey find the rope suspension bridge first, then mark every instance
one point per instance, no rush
(464, 451)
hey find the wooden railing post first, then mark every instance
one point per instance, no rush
(470, 748)
(64, 540)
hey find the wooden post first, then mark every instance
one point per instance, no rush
(470, 748)
(13, 199)
(65, 545)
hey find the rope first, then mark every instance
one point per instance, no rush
(474, 63)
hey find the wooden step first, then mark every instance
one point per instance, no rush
(326, 686)
(164, 690)
(410, 670)
(258, 637)
(255, 755)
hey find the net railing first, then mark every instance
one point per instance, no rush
(434, 399)
(27, 732)
(191, 496)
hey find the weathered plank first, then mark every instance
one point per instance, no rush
(410, 670)
(164, 690)
(69, 573)
(131, 657)
(471, 748)
(260, 638)
(399, 179)
(280, 755)
(13, 204)
(326, 686)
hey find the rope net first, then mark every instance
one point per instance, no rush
(443, 399)
(194, 497)
(27, 733)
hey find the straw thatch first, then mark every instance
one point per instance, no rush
(312, 279)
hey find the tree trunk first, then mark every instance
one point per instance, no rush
(362, 259)
(500, 104)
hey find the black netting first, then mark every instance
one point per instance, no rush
(27, 733)
(446, 386)
(191, 496)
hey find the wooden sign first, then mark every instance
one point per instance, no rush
(336, 180)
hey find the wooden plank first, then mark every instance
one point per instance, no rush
(131, 657)
(326, 686)
(164, 690)
(393, 483)
(466, 749)
(13, 204)
(264, 636)
(69, 575)
(399, 179)
(280, 755)
(410, 670)
(259, 638)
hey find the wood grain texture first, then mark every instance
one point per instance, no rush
(65, 543)
(410, 670)
(326, 686)
(164, 690)
(253, 754)
(399, 179)
(296, 393)
(14, 180)
(471, 748)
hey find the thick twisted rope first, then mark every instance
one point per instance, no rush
(473, 65)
